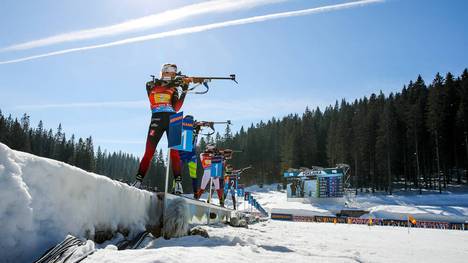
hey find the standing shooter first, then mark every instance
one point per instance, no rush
(231, 179)
(164, 100)
(206, 158)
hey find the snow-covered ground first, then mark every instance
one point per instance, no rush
(43, 200)
(278, 241)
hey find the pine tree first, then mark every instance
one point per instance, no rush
(3, 128)
(385, 142)
(436, 118)
(25, 134)
(415, 105)
(462, 113)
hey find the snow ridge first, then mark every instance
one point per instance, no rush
(43, 200)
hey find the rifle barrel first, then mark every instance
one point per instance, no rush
(231, 77)
(221, 122)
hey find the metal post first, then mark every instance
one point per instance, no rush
(167, 170)
(244, 198)
(236, 198)
(209, 200)
(166, 183)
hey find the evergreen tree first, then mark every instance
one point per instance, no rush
(436, 118)
(462, 113)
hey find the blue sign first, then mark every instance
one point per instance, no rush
(217, 166)
(186, 140)
(175, 130)
(290, 174)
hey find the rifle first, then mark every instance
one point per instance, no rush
(238, 172)
(245, 168)
(227, 153)
(198, 125)
(181, 79)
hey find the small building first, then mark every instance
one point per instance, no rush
(316, 182)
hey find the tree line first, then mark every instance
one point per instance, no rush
(416, 138)
(19, 135)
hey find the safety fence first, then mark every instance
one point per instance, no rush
(253, 202)
(371, 221)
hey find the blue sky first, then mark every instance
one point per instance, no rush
(283, 65)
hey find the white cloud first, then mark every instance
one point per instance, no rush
(196, 29)
(207, 108)
(243, 109)
(143, 23)
(102, 104)
(117, 141)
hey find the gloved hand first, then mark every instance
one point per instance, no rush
(187, 80)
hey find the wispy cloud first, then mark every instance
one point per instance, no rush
(117, 141)
(144, 23)
(203, 108)
(249, 109)
(196, 29)
(103, 104)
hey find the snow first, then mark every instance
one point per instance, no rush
(278, 241)
(43, 200)
(428, 207)
(281, 241)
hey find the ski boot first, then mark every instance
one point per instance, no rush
(195, 187)
(138, 181)
(199, 193)
(195, 196)
(178, 185)
(221, 197)
(136, 184)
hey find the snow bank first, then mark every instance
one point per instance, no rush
(42, 200)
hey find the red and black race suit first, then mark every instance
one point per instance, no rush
(164, 101)
(163, 97)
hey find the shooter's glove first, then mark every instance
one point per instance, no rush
(187, 80)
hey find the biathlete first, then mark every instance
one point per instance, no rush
(164, 100)
(205, 158)
(230, 183)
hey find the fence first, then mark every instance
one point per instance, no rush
(370, 221)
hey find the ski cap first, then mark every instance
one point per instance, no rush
(210, 148)
(168, 71)
(169, 68)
